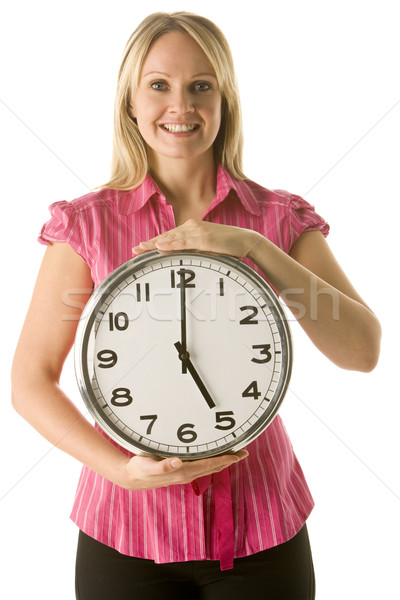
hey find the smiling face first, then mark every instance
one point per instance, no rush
(177, 103)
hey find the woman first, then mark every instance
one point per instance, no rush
(154, 527)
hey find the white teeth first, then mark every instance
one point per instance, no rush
(178, 128)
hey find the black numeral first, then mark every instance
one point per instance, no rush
(264, 349)
(186, 434)
(248, 320)
(107, 358)
(152, 419)
(139, 292)
(251, 391)
(121, 397)
(186, 276)
(222, 417)
(120, 321)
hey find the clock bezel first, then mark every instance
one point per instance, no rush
(97, 300)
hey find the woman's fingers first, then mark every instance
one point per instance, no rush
(146, 472)
(203, 236)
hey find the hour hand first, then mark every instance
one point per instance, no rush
(185, 358)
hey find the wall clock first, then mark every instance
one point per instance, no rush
(183, 354)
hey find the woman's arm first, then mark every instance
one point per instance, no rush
(321, 297)
(62, 289)
(309, 280)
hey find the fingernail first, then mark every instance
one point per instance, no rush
(175, 463)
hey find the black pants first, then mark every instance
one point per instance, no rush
(282, 573)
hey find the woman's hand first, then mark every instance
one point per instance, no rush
(147, 473)
(203, 236)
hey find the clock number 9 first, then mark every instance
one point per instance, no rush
(108, 358)
(121, 397)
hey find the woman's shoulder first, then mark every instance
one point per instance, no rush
(270, 197)
(292, 213)
(101, 198)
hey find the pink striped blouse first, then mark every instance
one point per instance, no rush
(258, 503)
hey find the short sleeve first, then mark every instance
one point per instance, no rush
(302, 218)
(64, 226)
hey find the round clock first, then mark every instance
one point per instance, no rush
(183, 354)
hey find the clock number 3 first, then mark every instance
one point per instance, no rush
(264, 349)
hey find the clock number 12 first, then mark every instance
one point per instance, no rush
(186, 275)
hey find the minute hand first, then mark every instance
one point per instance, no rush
(183, 319)
(185, 358)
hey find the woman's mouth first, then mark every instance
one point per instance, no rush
(179, 127)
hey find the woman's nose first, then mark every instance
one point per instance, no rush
(181, 101)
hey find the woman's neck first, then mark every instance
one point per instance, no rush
(186, 184)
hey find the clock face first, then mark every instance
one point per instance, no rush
(183, 354)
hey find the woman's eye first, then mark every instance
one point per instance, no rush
(158, 85)
(202, 86)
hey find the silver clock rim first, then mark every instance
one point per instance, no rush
(97, 299)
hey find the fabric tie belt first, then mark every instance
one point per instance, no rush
(223, 513)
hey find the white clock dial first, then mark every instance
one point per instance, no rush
(183, 354)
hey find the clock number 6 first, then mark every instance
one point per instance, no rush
(185, 434)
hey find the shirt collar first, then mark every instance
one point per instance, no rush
(133, 200)
(226, 183)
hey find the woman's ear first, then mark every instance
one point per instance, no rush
(131, 111)
(130, 107)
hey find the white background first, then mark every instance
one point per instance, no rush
(321, 102)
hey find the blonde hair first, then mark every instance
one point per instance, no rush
(129, 165)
